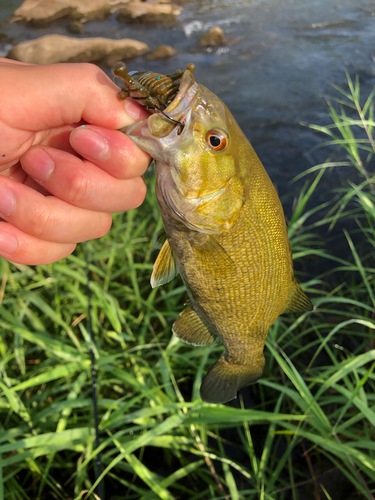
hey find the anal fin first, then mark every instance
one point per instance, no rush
(189, 328)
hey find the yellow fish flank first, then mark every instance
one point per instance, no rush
(225, 233)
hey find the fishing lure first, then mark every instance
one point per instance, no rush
(153, 91)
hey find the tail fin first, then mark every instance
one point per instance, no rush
(224, 380)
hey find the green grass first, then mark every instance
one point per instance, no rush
(311, 415)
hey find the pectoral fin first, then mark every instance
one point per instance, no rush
(189, 328)
(165, 267)
(211, 253)
(298, 301)
(159, 239)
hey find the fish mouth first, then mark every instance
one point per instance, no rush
(183, 100)
(159, 131)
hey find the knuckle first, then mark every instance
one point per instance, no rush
(88, 69)
(42, 222)
(79, 190)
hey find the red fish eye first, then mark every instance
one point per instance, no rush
(217, 139)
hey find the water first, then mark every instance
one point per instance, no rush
(280, 59)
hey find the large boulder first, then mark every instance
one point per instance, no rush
(57, 48)
(213, 38)
(42, 12)
(149, 13)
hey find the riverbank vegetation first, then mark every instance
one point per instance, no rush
(305, 430)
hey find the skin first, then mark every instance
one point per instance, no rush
(59, 181)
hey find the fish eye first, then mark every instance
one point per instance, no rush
(217, 139)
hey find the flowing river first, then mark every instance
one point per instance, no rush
(274, 73)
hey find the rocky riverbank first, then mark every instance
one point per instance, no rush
(40, 13)
(56, 48)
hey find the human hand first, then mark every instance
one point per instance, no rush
(50, 198)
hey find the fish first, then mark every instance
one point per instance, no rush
(224, 233)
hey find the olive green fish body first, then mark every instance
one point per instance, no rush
(225, 233)
(237, 287)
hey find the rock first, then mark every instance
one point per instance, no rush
(57, 48)
(95, 9)
(42, 12)
(213, 38)
(149, 13)
(161, 52)
(4, 38)
(75, 27)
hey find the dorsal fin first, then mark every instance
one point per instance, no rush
(165, 267)
(297, 301)
(189, 328)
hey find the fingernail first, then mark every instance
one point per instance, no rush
(7, 201)
(89, 144)
(8, 243)
(133, 109)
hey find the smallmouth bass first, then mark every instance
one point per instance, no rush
(225, 231)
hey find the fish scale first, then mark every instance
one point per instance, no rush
(224, 232)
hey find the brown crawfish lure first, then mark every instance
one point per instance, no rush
(153, 91)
